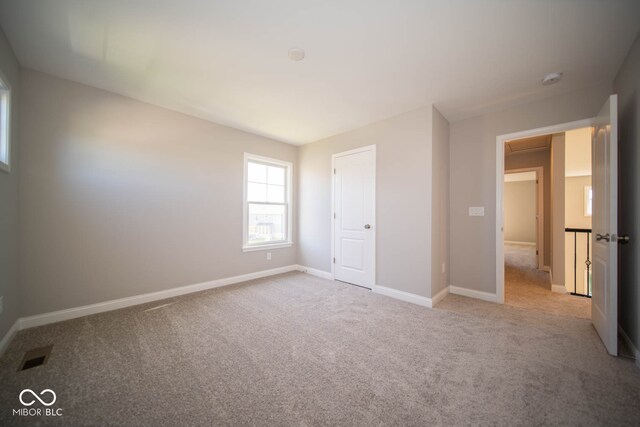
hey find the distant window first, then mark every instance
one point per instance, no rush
(588, 201)
(5, 110)
(267, 203)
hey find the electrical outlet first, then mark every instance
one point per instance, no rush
(476, 211)
(268, 256)
(1, 304)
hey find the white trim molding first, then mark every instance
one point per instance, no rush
(499, 226)
(403, 296)
(559, 288)
(471, 293)
(439, 296)
(72, 313)
(513, 242)
(315, 272)
(627, 340)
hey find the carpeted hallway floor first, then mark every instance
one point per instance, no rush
(298, 350)
(529, 288)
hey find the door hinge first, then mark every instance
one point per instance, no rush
(334, 215)
(334, 171)
(334, 260)
(536, 252)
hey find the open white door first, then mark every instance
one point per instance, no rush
(604, 302)
(354, 216)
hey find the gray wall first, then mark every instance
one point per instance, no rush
(403, 199)
(9, 198)
(520, 211)
(627, 86)
(558, 162)
(473, 177)
(122, 198)
(537, 159)
(440, 204)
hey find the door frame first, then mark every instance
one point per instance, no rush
(500, 141)
(366, 148)
(540, 240)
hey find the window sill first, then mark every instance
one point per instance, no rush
(5, 167)
(266, 246)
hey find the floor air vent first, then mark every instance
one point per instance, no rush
(35, 357)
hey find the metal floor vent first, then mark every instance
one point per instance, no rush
(35, 357)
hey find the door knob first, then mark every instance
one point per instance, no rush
(623, 239)
(601, 237)
(367, 226)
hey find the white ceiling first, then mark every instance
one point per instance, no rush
(226, 60)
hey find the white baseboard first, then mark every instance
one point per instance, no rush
(547, 269)
(403, 296)
(440, 296)
(513, 242)
(72, 313)
(559, 288)
(633, 348)
(314, 272)
(485, 296)
(9, 336)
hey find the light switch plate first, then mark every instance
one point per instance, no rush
(476, 211)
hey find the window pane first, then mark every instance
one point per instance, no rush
(267, 223)
(275, 193)
(256, 172)
(256, 192)
(276, 175)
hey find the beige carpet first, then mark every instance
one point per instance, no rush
(298, 350)
(527, 287)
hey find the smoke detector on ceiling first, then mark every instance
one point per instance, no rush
(296, 54)
(551, 78)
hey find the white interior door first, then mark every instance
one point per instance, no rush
(354, 217)
(604, 302)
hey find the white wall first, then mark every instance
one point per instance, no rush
(473, 177)
(627, 86)
(403, 199)
(122, 198)
(574, 217)
(578, 152)
(9, 285)
(520, 211)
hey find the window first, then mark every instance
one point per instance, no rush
(5, 105)
(588, 201)
(267, 203)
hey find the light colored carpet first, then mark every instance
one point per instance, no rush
(529, 288)
(298, 350)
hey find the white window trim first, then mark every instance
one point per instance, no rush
(5, 125)
(587, 189)
(245, 205)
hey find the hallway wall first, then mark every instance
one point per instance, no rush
(537, 159)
